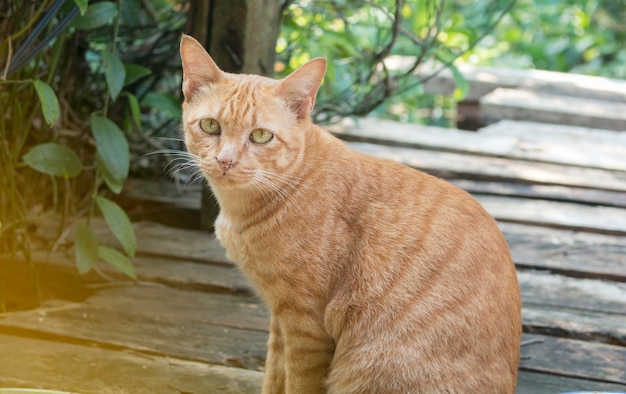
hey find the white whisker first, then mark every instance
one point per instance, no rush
(273, 185)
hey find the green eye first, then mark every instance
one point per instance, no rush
(210, 126)
(261, 136)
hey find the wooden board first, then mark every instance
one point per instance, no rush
(565, 251)
(98, 371)
(543, 192)
(558, 147)
(51, 365)
(558, 214)
(571, 253)
(588, 309)
(573, 358)
(155, 320)
(554, 133)
(456, 165)
(540, 383)
(536, 106)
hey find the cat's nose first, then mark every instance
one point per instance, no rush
(227, 158)
(226, 161)
(226, 164)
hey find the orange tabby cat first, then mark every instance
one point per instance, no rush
(379, 278)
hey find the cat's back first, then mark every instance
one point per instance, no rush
(442, 292)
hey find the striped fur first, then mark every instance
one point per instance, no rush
(379, 278)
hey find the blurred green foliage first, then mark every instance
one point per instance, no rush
(584, 36)
(580, 36)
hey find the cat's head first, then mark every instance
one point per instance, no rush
(245, 130)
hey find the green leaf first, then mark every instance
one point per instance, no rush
(116, 185)
(163, 102)
(134, 72)
(48, 100)
(114, 72)
(86, 246)
(54, 159)
(135, 110)
(119, 223)
(113, 153)
(118, 260)
(462, 86)
(96, 15)
(82, 5)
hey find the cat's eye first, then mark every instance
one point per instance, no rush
(210, 126)
(261, 136)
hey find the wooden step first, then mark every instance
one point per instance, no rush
(524, 141)
(571, 253)
(583, 217)
(44, 364)
(573, 358)
(457, 165)
(590, 309)
(539, 106)
(230, 330)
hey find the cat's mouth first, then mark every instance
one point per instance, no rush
(225, 177)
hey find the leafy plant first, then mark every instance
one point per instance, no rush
(72, 100)
(364, 40)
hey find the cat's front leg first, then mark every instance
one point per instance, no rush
(274, 380)
(308, 354)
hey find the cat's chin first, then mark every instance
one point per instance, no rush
(227, 182)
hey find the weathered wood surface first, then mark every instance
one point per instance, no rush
(578, 359)
(539, 106)
(568, 252)
(543, 192)
(572, 253)
(525, 141)
(155, 322)
(483, 80)
(45, 364)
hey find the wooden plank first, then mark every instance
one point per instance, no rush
(574, 358)
(556, 309)
(393, 133)
(590, 295)
(541, 383)
(586, 309)
(555, 133)
(483, 80)
(517, 104)
(193, 276)
(456, 165)
(579, 146)
(544, 192)
(558, 214)
(567, 252)
(575, 324)
(158, 240)
(164, 322)
(558, 147)
(37, 363)
(26, 363)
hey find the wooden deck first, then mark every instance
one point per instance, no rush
(190, 325)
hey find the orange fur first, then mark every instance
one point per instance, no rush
(379, 278)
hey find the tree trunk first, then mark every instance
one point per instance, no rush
(241, 37)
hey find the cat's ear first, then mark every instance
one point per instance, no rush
(198, 67)
(300, 87)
